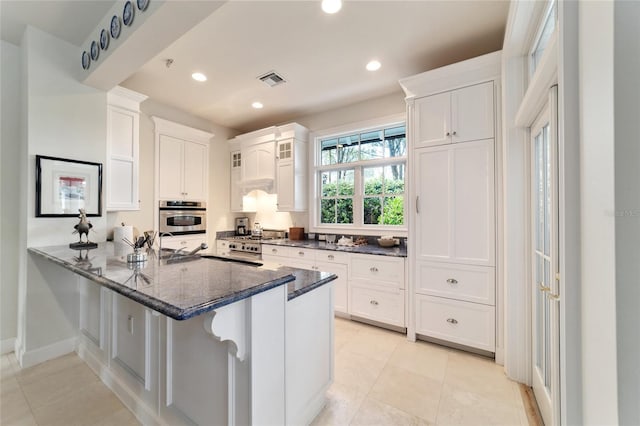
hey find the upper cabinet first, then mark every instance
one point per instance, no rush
(273, 160)
(460, 115)
(123, 133)
(291, 168)
(182, 159)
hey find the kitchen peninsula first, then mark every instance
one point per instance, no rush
(203, 340)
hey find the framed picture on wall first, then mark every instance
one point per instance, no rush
(64, 186)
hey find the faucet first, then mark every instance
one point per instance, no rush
(163, 234)
(202, 246)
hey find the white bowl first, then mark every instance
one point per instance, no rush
(386, 242)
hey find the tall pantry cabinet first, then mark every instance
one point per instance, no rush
(452, 129)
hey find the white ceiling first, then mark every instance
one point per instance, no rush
(322, 56)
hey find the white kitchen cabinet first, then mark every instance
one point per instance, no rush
(291, 168)
(239, 203)
(182, 162)
(222, 247)
(377, 303)
(470, 283)
(460, 115)
(316, 260)
(183, 169)
(123, 149)
(469, 324)
(455, 207)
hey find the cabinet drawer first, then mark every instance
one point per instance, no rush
(469, 324)
(462, 282)
(302, 253)
(376, 303)
(378, 268)
(332, 257)
(275, 250)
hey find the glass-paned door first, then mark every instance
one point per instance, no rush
(545, 296)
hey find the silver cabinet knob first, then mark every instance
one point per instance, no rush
(373, 269)
(374, 302)
(448, 134)
(454, 133)
(274, 250)
(452, 320)
(452, 281)
(330, 257)
(301, 253)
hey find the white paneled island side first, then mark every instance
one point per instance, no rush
(199, 339)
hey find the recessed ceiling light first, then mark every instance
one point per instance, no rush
(257, 105)
(373, 65)
(198, 76)
(331, 6)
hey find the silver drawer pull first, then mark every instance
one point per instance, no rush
(452, 320)
(373, 269)
(330, 257)
(374, 302)
(452, 281)
(301, 253)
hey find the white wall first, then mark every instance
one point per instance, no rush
(362, 111)
(62, 118)
(9, 171)
(627, 195)
(598, 249)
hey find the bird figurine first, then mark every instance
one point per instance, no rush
(83, 227)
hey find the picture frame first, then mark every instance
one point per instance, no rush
(63, 186)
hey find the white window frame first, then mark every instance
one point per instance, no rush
(538, 35)
(358, 227)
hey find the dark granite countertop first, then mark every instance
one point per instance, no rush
(398, 251)
(183, 289)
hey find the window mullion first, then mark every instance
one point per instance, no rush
(357, 198)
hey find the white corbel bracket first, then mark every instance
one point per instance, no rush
(229, 323)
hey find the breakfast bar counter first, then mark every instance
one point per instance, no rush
(194, 339)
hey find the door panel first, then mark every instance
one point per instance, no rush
(195, 163)
(473, 200)
(170, 166)
(433, 120)
(433, 218)
(472, 113)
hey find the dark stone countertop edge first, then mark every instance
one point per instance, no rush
(158, 305)
(292, 294)
(319, 245)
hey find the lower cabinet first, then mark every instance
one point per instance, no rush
(378, 303)
(184, 242)
(465, 323)
(222, 247)
(370, 287)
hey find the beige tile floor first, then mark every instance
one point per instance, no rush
(383, 379)
(380, 379)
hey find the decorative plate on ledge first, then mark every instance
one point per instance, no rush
(142, 4)
(128, 13)
(104, 39)
(115, 26)
(95, 50)
(86, 60)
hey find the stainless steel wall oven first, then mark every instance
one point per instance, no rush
(183, 217)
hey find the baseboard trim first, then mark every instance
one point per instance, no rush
(7, 345)
(45, 353)
(530, 405)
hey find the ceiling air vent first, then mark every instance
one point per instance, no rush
(272, 79)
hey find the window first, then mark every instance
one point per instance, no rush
(361, 178)
(544, 35)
